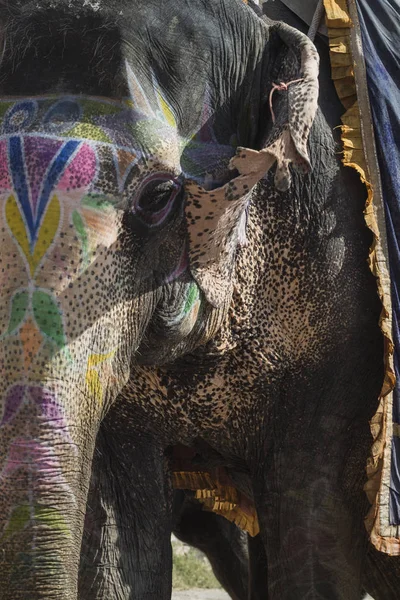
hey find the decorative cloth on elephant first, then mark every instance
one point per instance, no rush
(214, 489)
(364, 44)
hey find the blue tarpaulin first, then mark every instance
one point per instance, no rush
(380, 28)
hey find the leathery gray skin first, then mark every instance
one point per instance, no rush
(265, 356)
(224, 544)
(249, 580)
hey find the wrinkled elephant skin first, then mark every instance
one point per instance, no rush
(64, 333)
(178, 265)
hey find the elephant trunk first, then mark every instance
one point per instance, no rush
(44, 478)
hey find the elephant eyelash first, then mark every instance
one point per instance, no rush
(156, 195)
(156, 198)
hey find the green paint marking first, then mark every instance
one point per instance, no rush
(98, 202)
(48, 317)
(37, 514)
(93, 109)
(192, 297)
(19, 306)
(87, 131)
(4, 106)
(52, 518)
(149, 133)
(19, 519)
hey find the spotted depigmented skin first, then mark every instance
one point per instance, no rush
(284, 379)
(261, 352)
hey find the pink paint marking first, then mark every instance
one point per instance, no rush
(28, 454)
(81, 170)
(5, 181)
(40, 462)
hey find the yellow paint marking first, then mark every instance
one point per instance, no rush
(167, 112)
(46, 235)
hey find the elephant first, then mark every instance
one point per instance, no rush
(183, 264)
(208, 532)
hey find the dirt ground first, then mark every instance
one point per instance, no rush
(200, 595)
(209, 595)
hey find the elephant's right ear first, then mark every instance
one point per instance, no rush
(213, 217)
(293, 115)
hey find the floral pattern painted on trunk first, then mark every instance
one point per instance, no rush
(69, 168)
(34, 460)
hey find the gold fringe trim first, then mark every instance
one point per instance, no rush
(224, 500)
(246, 522)
(348, 74)
(192, 480)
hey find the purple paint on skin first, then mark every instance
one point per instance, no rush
(39, 459)
(46, 150)
(5, 181)
(27, 453)
(51, 412)
(13, 403)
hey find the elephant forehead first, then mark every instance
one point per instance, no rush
(122, 133)
(113, 129)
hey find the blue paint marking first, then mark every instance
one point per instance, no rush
(18, 173)
(17, 168)
(26, 112)
(56, 170)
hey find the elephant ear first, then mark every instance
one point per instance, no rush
(214, 217)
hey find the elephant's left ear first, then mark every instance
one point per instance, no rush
(213, 217)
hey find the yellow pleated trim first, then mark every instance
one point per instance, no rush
(223, 500)
(337, 14)
(248, 523)
(191, 480)
(340, 32)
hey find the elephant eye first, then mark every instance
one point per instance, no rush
(156, 195)
(156, 198)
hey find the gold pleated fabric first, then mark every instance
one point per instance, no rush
(348, 74)
(359, 152)
(220, 497)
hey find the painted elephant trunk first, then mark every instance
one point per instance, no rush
(43, 487)
(64, 350)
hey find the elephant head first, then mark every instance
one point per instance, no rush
(129, 151)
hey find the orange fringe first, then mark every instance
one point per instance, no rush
(349, 78)
(224, 500)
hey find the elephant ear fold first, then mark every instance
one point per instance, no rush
(293, 112)
(213, 221)
(294, 105)
(214, 217)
